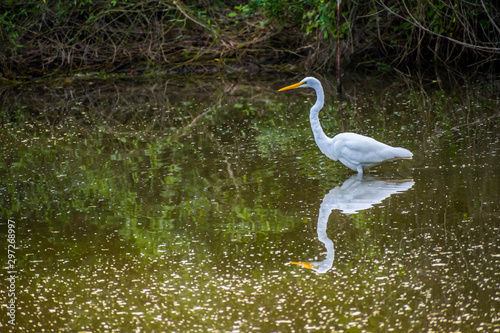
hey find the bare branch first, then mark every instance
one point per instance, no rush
(417, 24)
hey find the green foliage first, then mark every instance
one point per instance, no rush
(308, 14)
(81, 35)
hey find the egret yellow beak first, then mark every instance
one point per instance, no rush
(303, 264)
(293, 86)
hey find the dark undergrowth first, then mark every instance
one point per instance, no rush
(44, 38)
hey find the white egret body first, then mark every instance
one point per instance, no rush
(355, 151)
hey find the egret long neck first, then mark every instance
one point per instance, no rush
(319, 134)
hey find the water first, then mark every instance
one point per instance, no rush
(179, 204)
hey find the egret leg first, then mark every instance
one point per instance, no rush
(360, 171)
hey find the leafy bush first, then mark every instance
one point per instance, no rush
(40, 37)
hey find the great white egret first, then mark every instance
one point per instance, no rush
(355, 151)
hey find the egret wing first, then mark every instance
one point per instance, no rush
(360, 149)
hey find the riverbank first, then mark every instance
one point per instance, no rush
(47, 39)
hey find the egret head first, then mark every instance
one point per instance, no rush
(308, 82)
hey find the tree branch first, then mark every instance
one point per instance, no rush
(417, 24)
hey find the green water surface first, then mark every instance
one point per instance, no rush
(176, 204)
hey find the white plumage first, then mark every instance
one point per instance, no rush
(355, 151)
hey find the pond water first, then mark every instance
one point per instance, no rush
(174, 204)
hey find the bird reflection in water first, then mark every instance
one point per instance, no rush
(353, 196)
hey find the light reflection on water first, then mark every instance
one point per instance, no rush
(151, 214)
